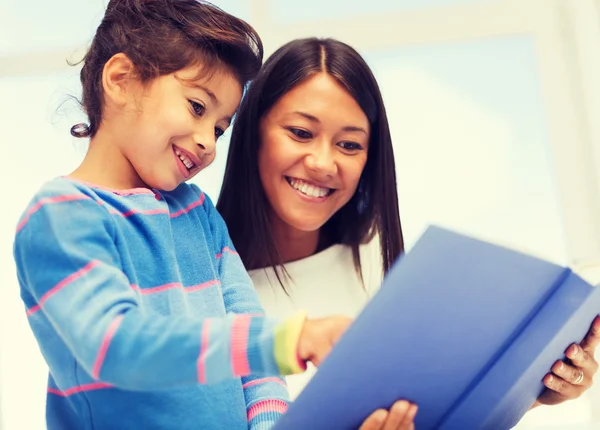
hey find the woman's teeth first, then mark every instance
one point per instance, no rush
(309, 189)
(186, 161)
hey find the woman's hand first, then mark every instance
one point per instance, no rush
(571, 378)
(399, 417)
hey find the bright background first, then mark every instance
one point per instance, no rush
(494, 108)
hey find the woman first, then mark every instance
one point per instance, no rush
(310, 182)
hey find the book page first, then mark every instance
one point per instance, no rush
(589, 270)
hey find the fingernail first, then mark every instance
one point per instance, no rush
(550, 379)
(413, 411)
(575, 350)
(571, 351)
(380, 416)
(401, 405)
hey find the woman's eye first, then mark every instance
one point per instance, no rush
(301, 134)
(197, 108)
(219, 132)
(351, 146)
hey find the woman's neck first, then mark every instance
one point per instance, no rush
(101, 153)
(294, 244)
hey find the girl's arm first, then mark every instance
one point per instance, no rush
(267, 398)
(68, 267)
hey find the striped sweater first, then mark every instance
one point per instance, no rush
(144, 313)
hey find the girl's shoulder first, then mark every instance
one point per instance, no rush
(58, 190)
(188, 192)
(62, 185)
(63, 209)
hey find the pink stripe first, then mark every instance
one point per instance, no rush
(33, 310)
(68, 198)
(202, 286)
(80, 389)
(138, 212)
(72, 277)
(125, 192)
(172, 285)
(264, 381)
(265, 406)
(239, 345)
(112, 329)
(73, 197)
(203, 350)
(226, 249)
(132, 212)
(197, 203)
(50, 200)
(158, 289)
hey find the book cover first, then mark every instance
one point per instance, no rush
(464, 328)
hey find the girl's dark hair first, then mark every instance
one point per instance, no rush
(161, 37)
(374, 207)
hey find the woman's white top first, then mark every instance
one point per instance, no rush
(323, 284)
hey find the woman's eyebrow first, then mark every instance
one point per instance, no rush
(315, 119)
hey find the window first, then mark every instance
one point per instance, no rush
(471, 141)
(286, 11)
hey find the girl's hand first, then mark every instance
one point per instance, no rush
(318, 337)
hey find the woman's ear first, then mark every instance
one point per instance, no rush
(117, 79)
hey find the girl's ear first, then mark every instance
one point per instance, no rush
(117, 79)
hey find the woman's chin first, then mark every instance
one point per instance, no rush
(307, 225)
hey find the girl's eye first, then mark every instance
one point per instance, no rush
(299, 133)
(197, 108)
(350, 146)
(219, 132)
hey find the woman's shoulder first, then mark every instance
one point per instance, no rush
(328, 275)
(330, 261)
(322, 284)
(331, 258)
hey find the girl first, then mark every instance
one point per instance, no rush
(310, 178)
(145, 320)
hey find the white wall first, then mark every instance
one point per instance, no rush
(491, 103)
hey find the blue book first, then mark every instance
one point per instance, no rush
(463, 328)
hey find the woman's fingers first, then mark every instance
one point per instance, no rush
(375, 421)
(399, 417)
(396, 417)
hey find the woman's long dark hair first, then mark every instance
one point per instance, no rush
(374, 207)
